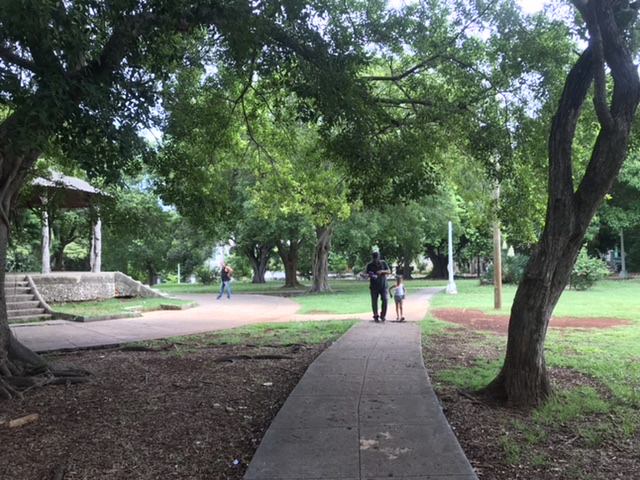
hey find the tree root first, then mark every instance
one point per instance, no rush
(144, 348)
(7, 392)
(22, 370)
(60, 471)
(233, 358)
(17, 378)
(71, 372)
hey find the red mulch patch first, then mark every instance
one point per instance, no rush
(477, 320)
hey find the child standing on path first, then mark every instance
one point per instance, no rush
(398, 297)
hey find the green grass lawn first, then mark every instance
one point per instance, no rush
(608, 298)
(609, 356)
(115, 306)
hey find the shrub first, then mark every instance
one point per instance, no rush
(170, 277)
(512, 269)
(587, 271)
(205, 274)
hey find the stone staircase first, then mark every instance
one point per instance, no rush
(23, 302)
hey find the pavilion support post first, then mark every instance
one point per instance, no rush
(96, 247)
(46, 239)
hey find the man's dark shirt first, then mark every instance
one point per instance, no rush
(380, 282)
(224, 276)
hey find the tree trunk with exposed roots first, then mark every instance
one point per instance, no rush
(320, 281)
(406, 266)
(258, 256)
(439, 261)
(289, 256)
(523, 379)
(18, 364)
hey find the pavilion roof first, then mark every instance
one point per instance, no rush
(69, 192)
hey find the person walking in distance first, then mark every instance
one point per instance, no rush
(398, 297)
(378, 270)
(225, 276)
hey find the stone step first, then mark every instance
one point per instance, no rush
(25, 312)
(24, 318)
(27, 304)
(17, 290)
(27, 297)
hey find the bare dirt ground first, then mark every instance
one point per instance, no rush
(198, 412)
(183, 414)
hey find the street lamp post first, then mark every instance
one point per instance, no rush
(451, 286)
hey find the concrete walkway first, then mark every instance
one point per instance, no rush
(364, 410)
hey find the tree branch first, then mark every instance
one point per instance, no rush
(406, 73)
(404, 101)
(10, 56)
(419, 66)
(610, 148)
(600, 81)
(564, 124)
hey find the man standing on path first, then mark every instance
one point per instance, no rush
(225, 276)
(378, 270)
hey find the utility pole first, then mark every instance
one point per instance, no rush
(497, 252)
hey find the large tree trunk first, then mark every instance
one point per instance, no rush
(152, 274)
(64, 239)
(439, 262)
(289, 256)
(15, 359)
(406, 265)
(320, 281)
(523, 379)
(258, 256)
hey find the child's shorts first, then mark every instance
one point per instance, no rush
(398, 298)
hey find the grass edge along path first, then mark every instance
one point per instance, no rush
(115, 306)
(264, 334)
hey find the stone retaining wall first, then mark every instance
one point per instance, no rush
(79, 286)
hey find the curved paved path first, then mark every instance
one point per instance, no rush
(209, 315)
